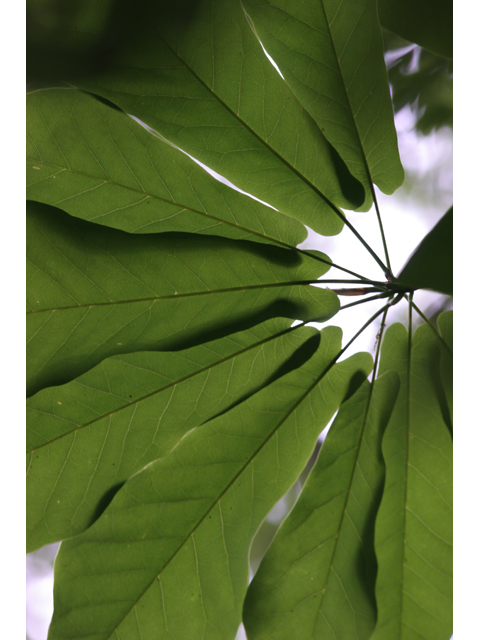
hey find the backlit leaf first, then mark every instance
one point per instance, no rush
(94, 292)
(331, 54)
(87, 437)
(413, 531)
(169, 556)
(210, 90)
(317, 578)
(98, 164)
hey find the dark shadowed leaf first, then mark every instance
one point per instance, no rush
(211, 90)
(317, 578)
(169, 556)
(94, 292)
(98, 164)
(331, 54)
(431, 265)
(413, 531)
(445, 324)
(429, 23)
(87, 437)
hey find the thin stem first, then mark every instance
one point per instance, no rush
(434, 329)
(385, 269)
(379, 342)
(331, 264)
(380, 224)
(389, 304)
(375, 283)
(377, 297)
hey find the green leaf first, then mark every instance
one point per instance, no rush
(431, 265)
(94, 292)
(87, 437)
(317, 578)
(445, 324)
(169, 556)
(210, 90)
(331, 55)
(96, 163)
(413, 531)
(429, 23)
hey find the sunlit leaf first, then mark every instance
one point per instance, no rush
(98, 164)
(429, 23)
(413, 531)
(169, 556)
(87, 437)
(331, 55)
(317, 578)
(211, 90)
(94, 292)
(431, 265)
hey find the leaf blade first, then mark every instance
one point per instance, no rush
(96, 163)
(413, 531)
(87, 437)
(431, 264)
(94, 292)
(332, 57)
(317, 577)
(241, 445)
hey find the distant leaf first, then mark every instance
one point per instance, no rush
(429, 23)
(94, 292)
(169, 556)
(96, 163)
(211, 90)
(317, 578)
(87, 437)
(413, 531)
(431, 265)
(331, 54)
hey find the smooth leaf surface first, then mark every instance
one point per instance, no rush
(317, 578)
(413, 531)
(94, 292)
(169, 556)
(87, 437)
(211, 91)
(431, 265)
(331, 55)
(96, 163)
(429, 23)
(445, 324)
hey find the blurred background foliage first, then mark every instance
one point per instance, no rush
(422, 80)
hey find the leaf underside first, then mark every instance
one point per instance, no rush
(170, 553)
(94, 292)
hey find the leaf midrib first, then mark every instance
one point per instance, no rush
(132, 403)
(178, 295)
(230, 484)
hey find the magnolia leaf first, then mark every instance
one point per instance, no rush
(331, 55)
(94, 292)
(87, 437)
(169, 556)
(413, 530)
(431, 265)
(96, 163)
(317, 578)
(429, 23)
(210, 90)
